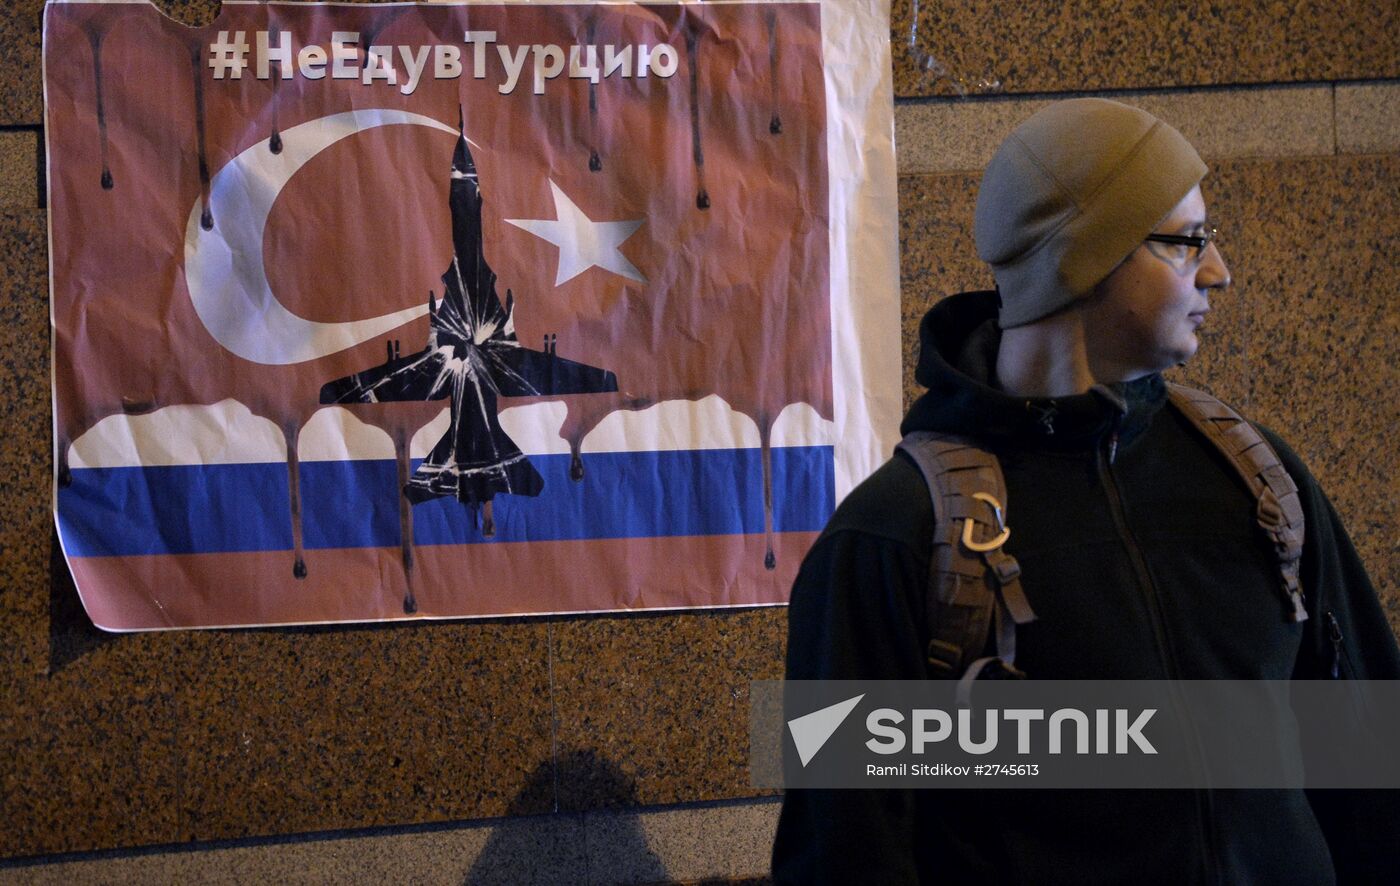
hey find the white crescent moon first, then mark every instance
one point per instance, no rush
(224, 267)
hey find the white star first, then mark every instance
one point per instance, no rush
(583, 243)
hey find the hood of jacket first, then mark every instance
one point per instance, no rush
(958, 342)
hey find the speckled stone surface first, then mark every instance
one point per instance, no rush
(937, 255)
(290, 730)
(1303, 341)
(728, 843)
(1057, 46)
(531, 850)
(1368, 118)
(654, 709)
(21, 92)
(85, 748)
(717, 843)
(24, 459)
(1280, 121)
(91, 761)
(1325, 319)
(19, 177)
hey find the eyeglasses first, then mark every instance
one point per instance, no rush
(1193, 247)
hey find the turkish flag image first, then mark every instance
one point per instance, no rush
(386, 312)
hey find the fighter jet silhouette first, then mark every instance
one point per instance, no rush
(472, 357)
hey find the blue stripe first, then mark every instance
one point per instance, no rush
(223, 508)
(349, 504)
(176, 510)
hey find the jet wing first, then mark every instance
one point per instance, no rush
(418, 376)
(522, 372)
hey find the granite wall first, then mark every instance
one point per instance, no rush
(612, 748)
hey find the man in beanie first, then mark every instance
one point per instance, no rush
(1136, 541)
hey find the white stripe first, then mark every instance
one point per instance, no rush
(225, 433)
(336, 434)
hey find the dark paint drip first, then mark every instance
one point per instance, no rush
(366, 41)
(576, 467)
(65, 474)
(488, 519)
(95, 41)
(770, 561)
(775, 124)
(206, 217)
(367, 36)
(290, 432)
(134, 406)
(702, 197)
(274, 142)
(401, 460)
(595, 163)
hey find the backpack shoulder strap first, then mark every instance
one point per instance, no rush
(1279, 511)
(971, 578)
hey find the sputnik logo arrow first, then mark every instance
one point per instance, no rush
(811, 731)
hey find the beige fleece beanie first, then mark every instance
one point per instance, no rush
(1070, 193)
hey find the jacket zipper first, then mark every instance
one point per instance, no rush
(1334, 632)
(1106, 457)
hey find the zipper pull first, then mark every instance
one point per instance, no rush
(1113, 432)
(1334, 631)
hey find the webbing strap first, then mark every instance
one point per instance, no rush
(971, 590)
(1279, 510)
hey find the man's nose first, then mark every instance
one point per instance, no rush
(1212, 272)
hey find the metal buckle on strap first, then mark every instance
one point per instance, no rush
(968, 524)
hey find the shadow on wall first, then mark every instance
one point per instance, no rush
(71, 633)
(522, 851)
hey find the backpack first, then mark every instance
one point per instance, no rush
(974, 586)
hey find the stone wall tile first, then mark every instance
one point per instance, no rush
(1368, 118)
(653, 709)
(19, 174)
(1280, 121)
(1055, 46)
(301, 729)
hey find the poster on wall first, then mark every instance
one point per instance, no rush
(368, 312)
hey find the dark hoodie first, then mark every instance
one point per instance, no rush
(1142, 559)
